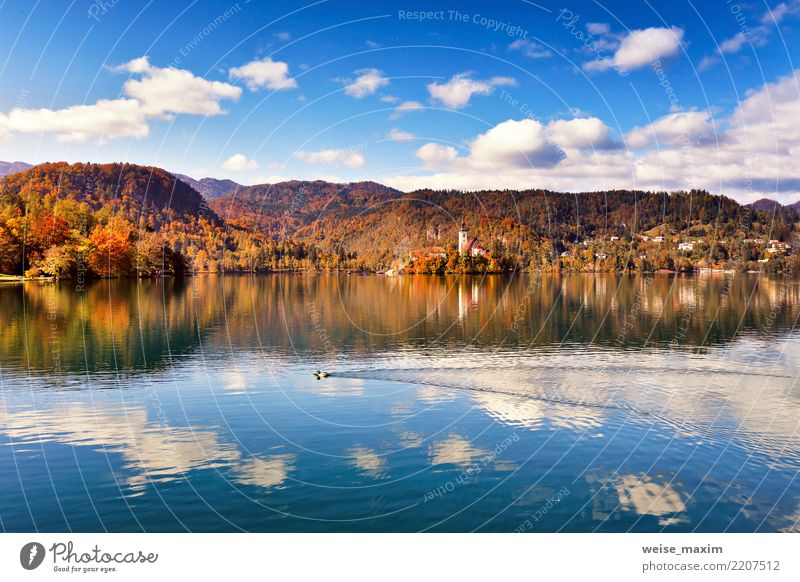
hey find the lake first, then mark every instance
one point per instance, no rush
(549, 403)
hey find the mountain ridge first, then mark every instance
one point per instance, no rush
(53, 214)
(210, 188)
(7, 168)
(216, 188)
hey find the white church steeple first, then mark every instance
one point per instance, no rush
(463, 239)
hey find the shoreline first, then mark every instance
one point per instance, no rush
(21, 279)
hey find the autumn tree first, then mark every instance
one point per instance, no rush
(109, 249)
(150, 256)
(59, 261)
(10, 252)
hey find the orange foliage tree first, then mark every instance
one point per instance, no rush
(110, 249)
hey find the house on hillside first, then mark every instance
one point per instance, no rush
(438, 252)
(777, 247)
(477, 250)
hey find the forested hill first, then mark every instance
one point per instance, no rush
(131, 190)
(307, 207)
(372, 220)
(101, 220)
(291, 207)
(120, 219)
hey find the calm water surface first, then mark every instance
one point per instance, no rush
(574, 403)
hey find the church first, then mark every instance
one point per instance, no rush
(467, 246)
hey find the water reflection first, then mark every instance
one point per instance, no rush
(151, 452)
(640, 495)
(455, 450)
(657, 402)
(368, 461)
(645, 496)
(147, 325)
(265, 471)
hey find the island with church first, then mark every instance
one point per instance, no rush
(469, 257)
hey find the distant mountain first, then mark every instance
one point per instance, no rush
(7, 168)
(765, 205)
(768, 205)
(211, 188)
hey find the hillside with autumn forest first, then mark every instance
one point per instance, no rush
(116, 220)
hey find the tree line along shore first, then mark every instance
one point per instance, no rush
(67, 221)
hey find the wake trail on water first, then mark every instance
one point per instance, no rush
(596, 401)
(378, 375)
(688, 400)
(591, 370)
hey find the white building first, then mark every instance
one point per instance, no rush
(463, 240)
(477, 250)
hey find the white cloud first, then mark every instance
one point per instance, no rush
(352, 159)
(405, 107)
(457, 92)
(750, 153)
(582, 133)
(733, 44)
(515, 144)
(239, 162)
(680, 128)
(400, 135)
(283, 36)
(640, 48)
(707, 62)
(264, 73)
(780, 11)
(170, 90)
(106, 119)
(530, 49)
(755, 36)
(510, 145)
(434, 155)
(158, 93)
(600, 38)
(389, 99)
(367, 82)
(599, 28)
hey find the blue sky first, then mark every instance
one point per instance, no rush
(568, 95)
